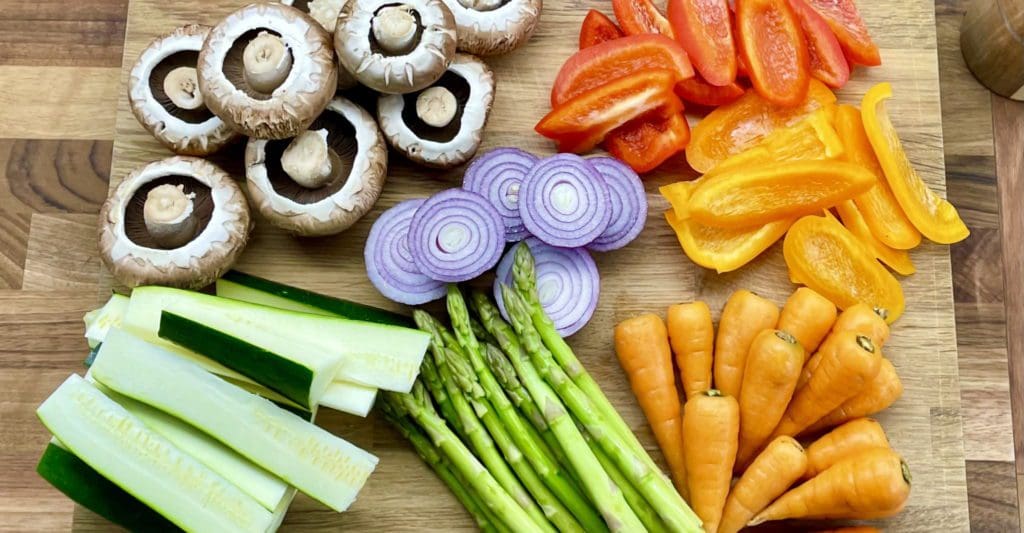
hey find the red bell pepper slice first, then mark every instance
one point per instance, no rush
(844, 19)
(597, 28)
(637, 17)
(647, 142)
(697, 91)
(607, 61)
(828, 63)
(774, 50)
(704, 29)
(578, 124)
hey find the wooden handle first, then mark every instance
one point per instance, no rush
(992, 41)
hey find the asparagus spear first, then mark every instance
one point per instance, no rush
(637, 467)
(599, 486)
(480, 331)
(430, 376)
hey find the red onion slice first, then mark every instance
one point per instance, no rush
(390, 264)
(456, 235)
(564, 201)
(498, 175)
(628, 204)
(568, 283)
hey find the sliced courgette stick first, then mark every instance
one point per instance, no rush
(351, 398)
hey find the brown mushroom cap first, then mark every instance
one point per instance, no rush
(183, 131)
(132, 254)
(303, 94)
(361, 55)
(350, 193)
(326, 12)
(495, 31)
(472, 84)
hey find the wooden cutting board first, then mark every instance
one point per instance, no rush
(649, 275)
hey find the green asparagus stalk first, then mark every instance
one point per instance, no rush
(598, 485)
(429, 375)
(536, 451)
(637, 467)
(480, 331)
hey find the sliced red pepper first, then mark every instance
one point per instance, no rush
(844, 19)
(607, 61)
(774, 50)
(828, 63)
(637, 17)
(581, 122)
(647, 142)
(697, 91)
(704, 29)
(597, 28)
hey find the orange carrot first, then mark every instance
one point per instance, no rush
(711, 423)
(844, 371)
(774, 470)
(808, 316)
(848, 439)
(880, 393)
(773, 367)
(692, 334)
(872, 484)
(860, 319)
(743, 317)
(642, 346)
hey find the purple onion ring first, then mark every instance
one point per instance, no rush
(389, 262)
(628, 202)
(498, 175)
(564, 201)
(456, 235)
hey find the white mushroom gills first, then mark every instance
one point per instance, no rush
(181, 85)
(436, 106)
(168, 215)
(266, 62)
(394, 29)
(308, 160)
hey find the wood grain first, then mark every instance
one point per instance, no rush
(86, 33)
(57, 102)
(993, 501)
(62, 253)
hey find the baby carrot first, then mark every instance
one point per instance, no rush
(692, 334)
(843, 371)
(773, 471)
(860, 319)
(808, 316)
(773, 367)
(744, 316)
(880, 393)
(848, 439)
(871, 484)
(711, 424)
(642, 346)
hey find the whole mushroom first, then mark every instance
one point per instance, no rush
(492, 27)
(181, 222)
(268, 70)
(326, 12)
(323, 180)
(164, 95)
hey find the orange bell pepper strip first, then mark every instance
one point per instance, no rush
(700, 92)
(882, 213)
(850, 30)
(581, 122)
(828, 63)
(597, 28)
(745, 197)
(722, 250)
(773, 48)
(823, 255)
(811, 138)
(637, 17)
(602, 63)
(704, 29)
(898, 260)
(735, 127)
(932, 215)
(647, 142)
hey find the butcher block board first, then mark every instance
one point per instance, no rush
(403, 494)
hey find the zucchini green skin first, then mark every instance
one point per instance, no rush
(86, 487)
(328, 304)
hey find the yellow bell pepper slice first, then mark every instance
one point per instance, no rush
(812, 138)
(898, 260)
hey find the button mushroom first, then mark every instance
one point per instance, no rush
(441, 126)
(267, 70)
(181, 222)
(325, 12)
(395, 47)
(323, 180)
(164, 95)
(492, 27)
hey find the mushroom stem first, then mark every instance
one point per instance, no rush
(308, 160)
(394, 28)
(436, 106)
(168, 215)
(266, 62)
(181, 85)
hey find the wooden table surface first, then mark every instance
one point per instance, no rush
(59, 84)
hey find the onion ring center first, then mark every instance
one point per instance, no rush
(453, 237)
(564, 198)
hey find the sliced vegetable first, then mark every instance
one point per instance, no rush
(456, 235)
(627, 204)
(898, 260)
(773, 48)
(809, 317)
(704, 29)
(638, 17)
(647, 142)
(565, 202)
(744, 316)
(772, 371)
(120, 447)
(568, 284)
(316, 462)
(844, 20)
(711, 423)
(700, 92)
(932, 215)
(880, 393)
(390, 263)
(349, 397)
(498, 176)
(99, 321)
(597, 28)
(844, 441)
(774, 470)
(691, 333)
(827, 61)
